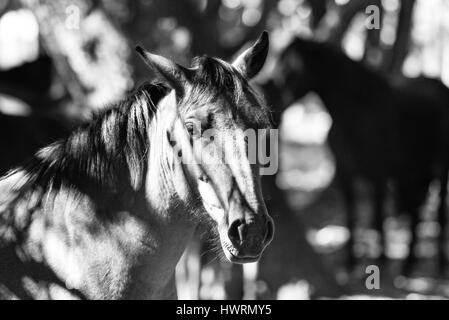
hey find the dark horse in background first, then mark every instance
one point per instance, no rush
(384, 130)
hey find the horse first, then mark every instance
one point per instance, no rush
(107, 212)
(385, 129)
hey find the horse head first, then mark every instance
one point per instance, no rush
(210, 122)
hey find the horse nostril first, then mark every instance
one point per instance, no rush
(237, 232)
(270, 230)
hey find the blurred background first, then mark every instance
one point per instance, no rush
(59, 60)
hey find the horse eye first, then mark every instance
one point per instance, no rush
(190, 128)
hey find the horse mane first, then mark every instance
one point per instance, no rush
(104, 156)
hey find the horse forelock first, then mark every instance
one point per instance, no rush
(215, 74)
(215, 78)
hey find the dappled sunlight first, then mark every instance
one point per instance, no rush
(306, 122)
(422, 286)
(305, 162)
(294, 291)
(19, 33)
(332, 238)
(212, 284)
(328, 239)
(13, 106)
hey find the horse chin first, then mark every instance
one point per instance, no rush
(233, 256)
(242, 260)
(231, 252)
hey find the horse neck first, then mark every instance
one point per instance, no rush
(337, 77)
(169, 220)
(153, 275)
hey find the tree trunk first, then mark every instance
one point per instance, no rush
(90, 55)
(396, 56)
(373, 54)
(319, 10)
(290, 257)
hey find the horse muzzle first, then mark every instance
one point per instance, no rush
(248, 239)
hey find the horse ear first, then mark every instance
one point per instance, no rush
(252, 60)
(176, 75)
